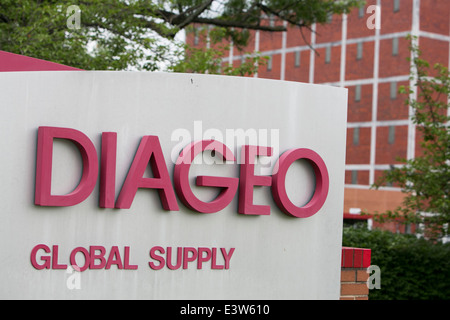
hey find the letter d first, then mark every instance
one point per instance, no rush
(43, 196)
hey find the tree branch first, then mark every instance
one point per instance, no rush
(197, 11)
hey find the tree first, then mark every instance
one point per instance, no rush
(425, 179)
(141, 34)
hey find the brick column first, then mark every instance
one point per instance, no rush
(355, 262)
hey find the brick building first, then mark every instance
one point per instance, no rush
(371, 61)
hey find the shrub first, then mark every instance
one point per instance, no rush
(411, 268)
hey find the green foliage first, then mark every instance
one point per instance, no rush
(210, 59)
(411, 268)
(141, 34)
(426, 178)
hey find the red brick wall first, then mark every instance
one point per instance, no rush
(387, 153)
(359, 69)
(396, 21)
(275, 72)
(355, 262)
(300, 73)
(362, 178)
(392, 109)
(394, 65)
(358, 154)
(327, 72)
(295, 38)
(439, 54)
(434, 16)
(359, 111)
(353, 284)
(330, 31)
(357, 26)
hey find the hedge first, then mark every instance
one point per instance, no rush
(411, 268)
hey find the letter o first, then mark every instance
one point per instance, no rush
(87, 258)
(279, 179)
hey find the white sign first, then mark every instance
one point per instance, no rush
(169, 186)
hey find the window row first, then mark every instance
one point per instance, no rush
(363, 10)
(393, 91)
(328, 56)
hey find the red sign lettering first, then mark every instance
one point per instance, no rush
(149, 151)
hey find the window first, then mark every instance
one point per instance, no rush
(195, 37)
(330, 17)
(391, 136)
(354, 177)
(395, 46)
(269, 64)
(359, 51)
(328, 54)
(361, 12)
(396, 5)
(297, 59)
(358, 92)
(356, 136)
(271, 20)
(408, 229)
(393, 90)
